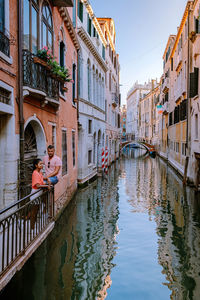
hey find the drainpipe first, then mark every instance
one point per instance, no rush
(20, 93)
(188, 117)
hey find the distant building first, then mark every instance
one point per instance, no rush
(137, 92)
(148, 116)
(123, 113)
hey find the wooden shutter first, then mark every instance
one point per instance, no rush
(196, 25)
(194, 80)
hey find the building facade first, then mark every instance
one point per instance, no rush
(123, 113)
(9, 133)
(137, 92)
(112, 90)
(37, 109)
(178, 138)
(92, 70)
(148, 122)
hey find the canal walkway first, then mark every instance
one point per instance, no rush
(134, 235)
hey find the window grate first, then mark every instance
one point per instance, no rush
(4, 96)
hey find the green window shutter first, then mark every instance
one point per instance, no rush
(89, 25)
(197, 25)
(81, 11)
(103, 52)
(78, 9)
(2, 16)
(194, 80)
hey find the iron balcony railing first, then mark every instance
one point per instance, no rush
(4, 44)
(21, 223)
(115, 99)
(4, 96)
(38, 77)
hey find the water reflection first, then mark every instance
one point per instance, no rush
(154, 254)
(158, 191)
(75, 261)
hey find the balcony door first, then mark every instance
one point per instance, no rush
(2, 15)
(30, 18)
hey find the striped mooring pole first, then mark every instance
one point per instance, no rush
(102, 159)
(106, 160)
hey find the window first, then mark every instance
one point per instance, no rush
(184, 149)
(94, 32)
(94, 147)
(64, 152)
(170, 118)
(80, 10)
(183, 110)
(62, 54)
(89, 157)
(4, 96)
(196, 126)
(89, 25)
(89, 80)
(74, 83)
(53, 141)
(103, 52)
(47, 27)
(30, 35)
(176, 115)
(4, 37)
(110, 81)
(194, 80)
(177, 147)
(74, 14)
(172, 63)
(106, 111)
(73, 148)
(89, 126)
(2, 15)
(62, 60)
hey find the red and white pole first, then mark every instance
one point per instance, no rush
(102, 159)
(106, 160)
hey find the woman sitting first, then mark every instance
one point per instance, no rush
(37, 178)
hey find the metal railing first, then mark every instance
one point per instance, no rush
(21, 223)
(38, 77)
(115, 99)
(4, 44)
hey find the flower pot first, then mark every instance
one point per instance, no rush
(40, 61)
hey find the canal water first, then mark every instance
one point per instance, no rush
(134, 235)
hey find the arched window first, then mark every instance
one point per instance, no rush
(62, 54)
(80, 74)
(47, 26)
(94, 148)
(89, 80)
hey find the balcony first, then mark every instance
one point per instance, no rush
(165, 85)
(115, 99)
(4, 44)
(39, 81)
(166, 108)
(178, 61)
(63, 3)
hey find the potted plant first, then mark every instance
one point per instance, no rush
(43, 57)
(60, 72)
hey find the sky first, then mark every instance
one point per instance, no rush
(142, 31)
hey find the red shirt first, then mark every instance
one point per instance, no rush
(37, 178)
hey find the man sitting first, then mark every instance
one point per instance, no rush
(53, 166)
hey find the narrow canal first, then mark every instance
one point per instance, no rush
(134, 235)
